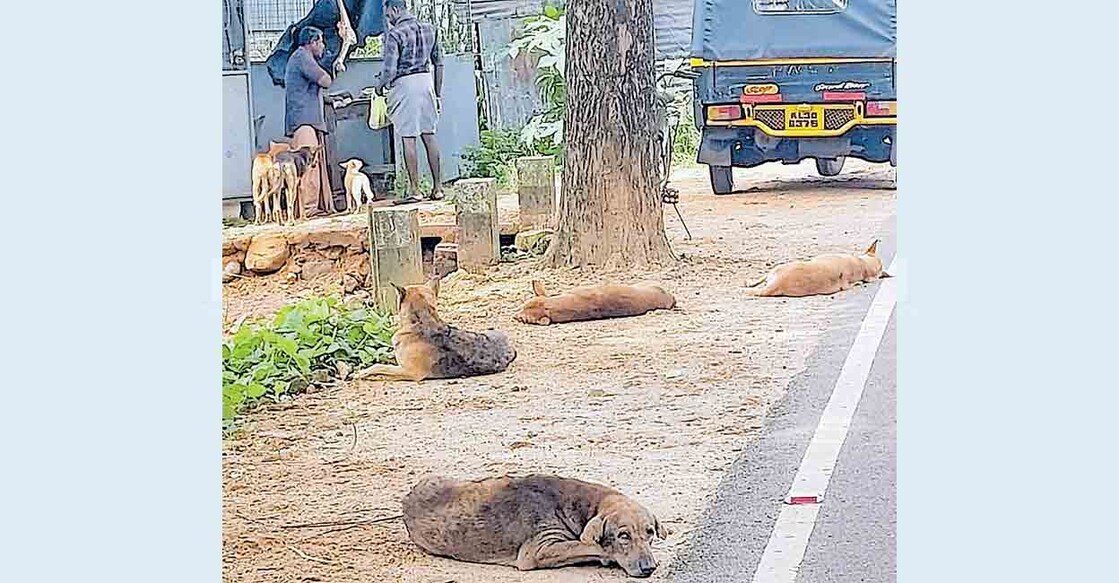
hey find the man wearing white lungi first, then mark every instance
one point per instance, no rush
(414, 91)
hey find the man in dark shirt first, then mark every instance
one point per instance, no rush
(304, 122)
(414, 92)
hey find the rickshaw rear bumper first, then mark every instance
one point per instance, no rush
(745, 147)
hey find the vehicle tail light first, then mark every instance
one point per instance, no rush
(724, 112)
(881, 108)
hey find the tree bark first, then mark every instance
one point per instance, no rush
(610, 211)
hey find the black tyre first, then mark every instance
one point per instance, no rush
(722, 179)
(830, 166)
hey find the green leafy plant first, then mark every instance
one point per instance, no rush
(300, 345)
(372, 49)
(544, 37)
(496, 155)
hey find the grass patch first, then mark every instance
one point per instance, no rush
(299, 346)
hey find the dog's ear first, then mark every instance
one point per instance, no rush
(538, 288)
(433, 283)
(592, 532)
(873, 249)
(399, 291)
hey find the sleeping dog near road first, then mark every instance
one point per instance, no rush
(823, 275)
(426, 347)
(532, 522)
(593, 303)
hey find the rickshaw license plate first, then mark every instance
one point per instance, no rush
(805, 118)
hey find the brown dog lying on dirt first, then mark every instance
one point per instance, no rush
(428, 348)
(823, 275)
(534, 522)
(593, 303)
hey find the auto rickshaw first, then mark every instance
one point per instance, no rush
(786, 80)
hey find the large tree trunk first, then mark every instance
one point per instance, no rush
(610, 207)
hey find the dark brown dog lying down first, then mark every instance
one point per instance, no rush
(534, 522)
(593, 303)
(823, 275)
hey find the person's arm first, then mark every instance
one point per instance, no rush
(388, 66)
(315, 73)
(437, 61)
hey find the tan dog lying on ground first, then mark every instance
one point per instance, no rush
(593, 303)
(357, 185)
(823, 275)
(428, 348)
(534, 522)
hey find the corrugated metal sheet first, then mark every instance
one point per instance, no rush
(672, 24)
(478, 10)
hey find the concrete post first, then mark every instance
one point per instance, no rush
(536, 191)
(394, 253)
(478, 232)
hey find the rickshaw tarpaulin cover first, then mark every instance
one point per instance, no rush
(725, 30)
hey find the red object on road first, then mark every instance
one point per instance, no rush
(813, 499)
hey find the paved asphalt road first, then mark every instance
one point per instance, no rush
(853, 539)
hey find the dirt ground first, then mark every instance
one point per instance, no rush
(657, 406)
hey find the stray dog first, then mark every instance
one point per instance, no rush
(593, 303)
(534, 522)
(293, 165)
(428, 348)
(357, 185)
(267, 179)
(823, 275)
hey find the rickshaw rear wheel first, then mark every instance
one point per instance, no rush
(830, 166)
(722, 179)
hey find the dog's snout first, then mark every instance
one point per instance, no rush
(645, 567)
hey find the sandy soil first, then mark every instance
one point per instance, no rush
(657, 406)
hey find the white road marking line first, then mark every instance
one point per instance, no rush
(787, 543)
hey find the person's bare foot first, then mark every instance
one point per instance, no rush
(437, 194)
(411, 198)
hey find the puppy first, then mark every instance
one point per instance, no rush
(823, 275)
(593, 303)
(293, 164)
(532, 522)
(267, 179)
(357, 185)
(428, 348)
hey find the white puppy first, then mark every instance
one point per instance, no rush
(357, 185)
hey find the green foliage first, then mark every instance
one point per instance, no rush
(301, 344)
(544, 37)
(372, 49)
(496, 155)
(675, 94)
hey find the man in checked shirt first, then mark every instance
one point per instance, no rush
(414, 92)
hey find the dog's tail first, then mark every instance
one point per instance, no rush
(760, 281)
(760, 287)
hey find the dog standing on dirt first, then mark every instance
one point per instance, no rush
(426, 347)
(823, 275)
(357, 185)
(532, 522)
(593, 303)
(293, 165)
(266, 181)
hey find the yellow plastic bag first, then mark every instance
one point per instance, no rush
(378, 112)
